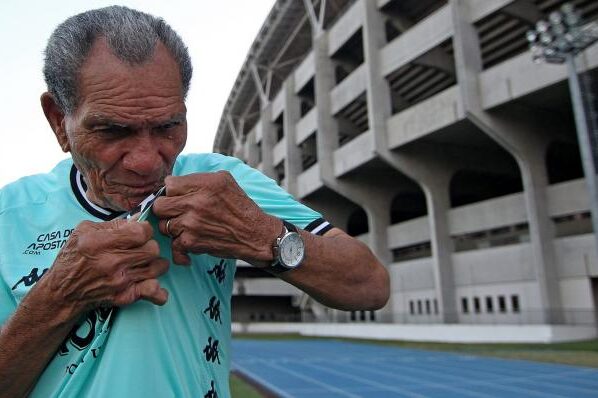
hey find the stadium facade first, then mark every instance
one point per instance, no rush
(423, 128)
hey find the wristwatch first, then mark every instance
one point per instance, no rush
(288, 249)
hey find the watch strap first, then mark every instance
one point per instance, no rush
(290, 227)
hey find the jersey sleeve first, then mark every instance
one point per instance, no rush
(277, 202)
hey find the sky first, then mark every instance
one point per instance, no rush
(218, 34)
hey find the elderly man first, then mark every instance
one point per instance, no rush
(92, 303)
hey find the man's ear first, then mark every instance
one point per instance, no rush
(55, 117)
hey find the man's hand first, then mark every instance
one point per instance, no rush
(210, 213)
(112, 263)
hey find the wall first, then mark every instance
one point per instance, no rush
(444, 333)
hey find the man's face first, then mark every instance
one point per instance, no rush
(129, 125)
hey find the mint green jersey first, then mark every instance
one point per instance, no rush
(180, 349)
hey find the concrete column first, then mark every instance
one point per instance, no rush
(327, 140)
(375, 203)
(250, 150)
(535, 181)
(292, 115)
(327, 127)
(268, 140)
(377, 208)
(432, 174)
(526, 140)
(438, 204)
(378, 91)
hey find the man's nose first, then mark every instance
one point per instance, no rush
(143, 157)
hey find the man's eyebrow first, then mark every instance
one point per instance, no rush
(99, 119)
(102, 120)
(176, 118)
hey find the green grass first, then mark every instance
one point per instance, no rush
(581, 353)
(240, 389)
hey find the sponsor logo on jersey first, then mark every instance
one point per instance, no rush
(46, 241)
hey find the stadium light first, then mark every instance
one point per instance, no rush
(559, 40)
(562, 36)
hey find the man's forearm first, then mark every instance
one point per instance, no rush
(341, 272)
(29, 339)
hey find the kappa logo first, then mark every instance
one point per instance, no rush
(31, 279)
(213, 309)
(219, 271)
(48, 241)
(211, 350)
(212, 393)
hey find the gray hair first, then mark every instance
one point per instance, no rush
(131, 35)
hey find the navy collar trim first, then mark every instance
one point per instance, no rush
(79, 188)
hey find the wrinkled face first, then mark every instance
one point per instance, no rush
(129, 126)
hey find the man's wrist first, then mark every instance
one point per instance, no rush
(275, 227)
(46, 297)
(262, 255)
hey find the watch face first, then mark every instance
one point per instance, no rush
(291, 250)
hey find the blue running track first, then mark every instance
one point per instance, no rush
(328, 369)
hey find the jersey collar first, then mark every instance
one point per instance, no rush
(79, 188)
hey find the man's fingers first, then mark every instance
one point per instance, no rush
(138, 256)
(131, 233)
(152, 270)
(151, 290)
(121, 236)
(180, 257)
(181, 185)
(170, 227)
(169, 207)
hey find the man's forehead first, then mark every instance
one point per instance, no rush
(101, 59)
(110, 88)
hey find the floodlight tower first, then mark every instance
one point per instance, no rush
(559, 40)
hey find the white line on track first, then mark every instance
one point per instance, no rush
(315, 381)
(529, 377)
(388, 387)
(470, 381)
(262, 382)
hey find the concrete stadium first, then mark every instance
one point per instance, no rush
(424, 128)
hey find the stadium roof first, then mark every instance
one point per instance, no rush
(281, 44)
